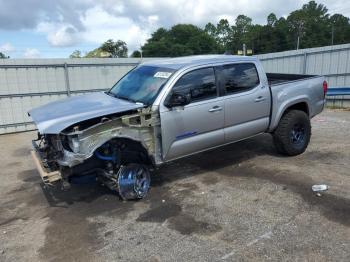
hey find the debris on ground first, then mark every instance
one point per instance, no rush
(319, 188)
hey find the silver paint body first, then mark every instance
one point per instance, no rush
(200, 125)
(53, 117)
(243, 114)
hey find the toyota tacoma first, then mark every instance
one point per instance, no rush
(168, 109)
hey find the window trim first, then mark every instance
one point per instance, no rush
(223, 91)
(201, 100)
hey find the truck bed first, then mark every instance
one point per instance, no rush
(289, 89)
(277, 79)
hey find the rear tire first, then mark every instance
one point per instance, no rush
(293, 133)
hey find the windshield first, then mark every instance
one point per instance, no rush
(142, 84)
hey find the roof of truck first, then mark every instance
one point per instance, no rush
(186, 61)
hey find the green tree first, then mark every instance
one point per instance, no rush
(180, 40)
(210, 29)
(136, 53)
(284, 41)
(109, 48)
(309, 24)
(242, 24)
(340, 29)
(76, 54)
(159, 35)
(271, 20)
(96, 53)
(214, 32)
(224, 33)
(3, 56)
(241, 32)
(115, 48)
(270, 37)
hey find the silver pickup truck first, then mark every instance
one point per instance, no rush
(167, 109)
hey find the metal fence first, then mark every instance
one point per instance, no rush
(28, 83)
(331, 61)
(25, 84)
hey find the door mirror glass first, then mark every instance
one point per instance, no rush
(178, 99)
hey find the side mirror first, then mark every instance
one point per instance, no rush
(178, 99)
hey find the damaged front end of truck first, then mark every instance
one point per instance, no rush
(118, 149)
(114, 135)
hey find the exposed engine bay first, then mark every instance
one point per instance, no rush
(119, 149)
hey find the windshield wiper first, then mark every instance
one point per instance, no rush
(124, 98)
(110, 93)
(120, 97)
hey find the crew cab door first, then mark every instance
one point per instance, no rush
(247, 100)
(199, 124)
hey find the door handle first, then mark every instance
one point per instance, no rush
(215, 109)
(260, 99)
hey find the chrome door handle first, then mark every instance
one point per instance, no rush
(260, 99)
(215, 109)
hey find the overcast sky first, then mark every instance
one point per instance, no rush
(55, 28)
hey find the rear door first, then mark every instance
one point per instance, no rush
(247, 100)
(198, 125)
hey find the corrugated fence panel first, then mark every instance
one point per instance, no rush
(331, 61)
(96, 77)
(28, 83)
(291, 65)
(13, 111)
(31, 80)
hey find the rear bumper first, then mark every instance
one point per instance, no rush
(48, 177)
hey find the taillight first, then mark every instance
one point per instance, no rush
(325, 87)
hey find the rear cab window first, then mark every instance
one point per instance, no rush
(199, 83)
(235, 78)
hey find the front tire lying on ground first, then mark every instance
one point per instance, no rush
(293, 133)
(133, 181)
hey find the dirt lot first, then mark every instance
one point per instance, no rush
(240, 202)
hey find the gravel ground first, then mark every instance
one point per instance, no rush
(240, 202)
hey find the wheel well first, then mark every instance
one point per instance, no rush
(302, 106)
(131, 151)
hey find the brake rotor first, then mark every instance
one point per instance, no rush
(133, 181)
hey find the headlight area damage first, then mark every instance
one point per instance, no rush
(118, 149)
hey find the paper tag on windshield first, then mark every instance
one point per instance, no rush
(162, 74)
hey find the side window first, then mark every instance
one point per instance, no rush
(238, 77)
(200, 84)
